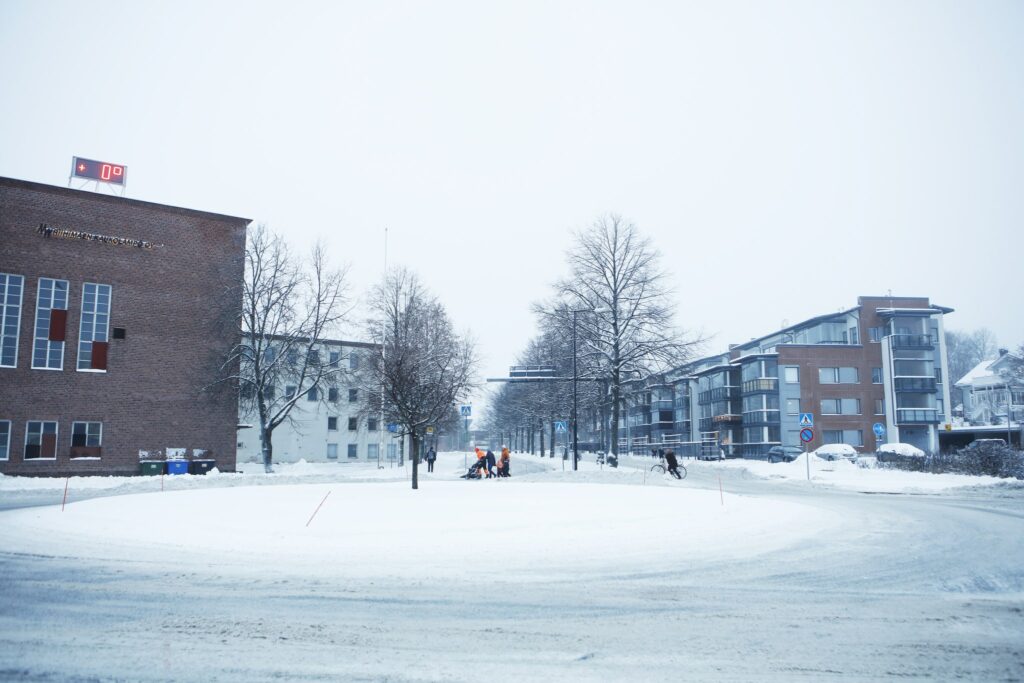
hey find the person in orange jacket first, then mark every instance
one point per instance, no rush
(503, 462)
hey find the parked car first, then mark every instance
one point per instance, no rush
(836, 451)
(784, 453)
(898, 452)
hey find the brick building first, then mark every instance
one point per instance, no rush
(114, 317)
(881, 362)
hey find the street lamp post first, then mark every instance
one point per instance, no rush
(575, 399)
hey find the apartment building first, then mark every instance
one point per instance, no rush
(115, 315)
(882, 362)
(327, 424)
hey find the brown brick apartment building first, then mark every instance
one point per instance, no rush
(882, 362)
(114, 316)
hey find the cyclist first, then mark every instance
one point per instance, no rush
(672, 464)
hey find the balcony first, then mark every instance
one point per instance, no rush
(911, 341)
(921, 385)
(917, 416)
(719, 394)
(728, 417)
(761, 385)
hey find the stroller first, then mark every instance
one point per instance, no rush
(474, 470)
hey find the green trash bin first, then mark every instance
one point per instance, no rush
(151, 467)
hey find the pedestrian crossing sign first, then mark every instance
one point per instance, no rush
(806, 419)
(561, 426)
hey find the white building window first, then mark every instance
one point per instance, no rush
(86, 439)
(40, 440)
(5, 439)
(332, 451)
(11, 289)
(353, 450)
(792, 375)
(838, 376)
(51, 323)
(93, 329)
(371, 451)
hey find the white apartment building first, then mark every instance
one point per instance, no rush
(326, 425)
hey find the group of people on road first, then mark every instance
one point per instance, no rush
(487, 465)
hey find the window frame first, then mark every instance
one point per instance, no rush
(5, 454)
(4, 332)
(56, 440)
(353, 424)
(329, 419)
(796, 371)
(35, 328)
(352, 452)
(92, 337)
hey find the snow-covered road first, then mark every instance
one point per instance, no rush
(620, 577)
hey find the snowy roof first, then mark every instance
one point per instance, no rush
(985, 374)
(931, 310)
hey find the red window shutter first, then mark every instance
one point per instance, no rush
(49, 446)
(58, 323)
(99, 356)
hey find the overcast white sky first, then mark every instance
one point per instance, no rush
(784, 157)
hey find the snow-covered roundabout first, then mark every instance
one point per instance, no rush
(326, 572)
(449, 529)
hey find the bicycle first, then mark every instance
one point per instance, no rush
(661, 468)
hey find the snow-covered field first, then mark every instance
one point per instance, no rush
(742, 571)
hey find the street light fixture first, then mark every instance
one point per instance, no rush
(575, 381)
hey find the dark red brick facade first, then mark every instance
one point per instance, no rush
(176, 302)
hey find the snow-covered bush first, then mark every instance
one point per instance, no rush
(991, 458)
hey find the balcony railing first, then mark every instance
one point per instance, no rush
(912, 341)
(762, 384)
(729, 417)
(719, 394)
(917, 416)
(923, 385)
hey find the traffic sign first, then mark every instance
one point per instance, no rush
(806, 434)
(430, 430)
(879, 429)
(392, 427)
(465, 410)
(561, 426)
(806, 419)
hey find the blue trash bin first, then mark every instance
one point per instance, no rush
(177, 467)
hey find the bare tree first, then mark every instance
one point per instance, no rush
(964, 350)
(422, 367)
(288, 307)
(624, 307)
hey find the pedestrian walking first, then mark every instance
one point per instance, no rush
(431, 457)
(504, 462)
(490, 463)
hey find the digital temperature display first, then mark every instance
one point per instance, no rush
(99, 170)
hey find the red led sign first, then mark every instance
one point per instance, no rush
(99, 170)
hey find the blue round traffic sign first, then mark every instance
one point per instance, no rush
(879, 429)
(806, 434)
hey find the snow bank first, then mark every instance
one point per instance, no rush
(848, 475)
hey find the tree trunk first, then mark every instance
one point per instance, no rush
(552, 423)
(415, 459)
(540, 430)
(616, 408)
(267, 449)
